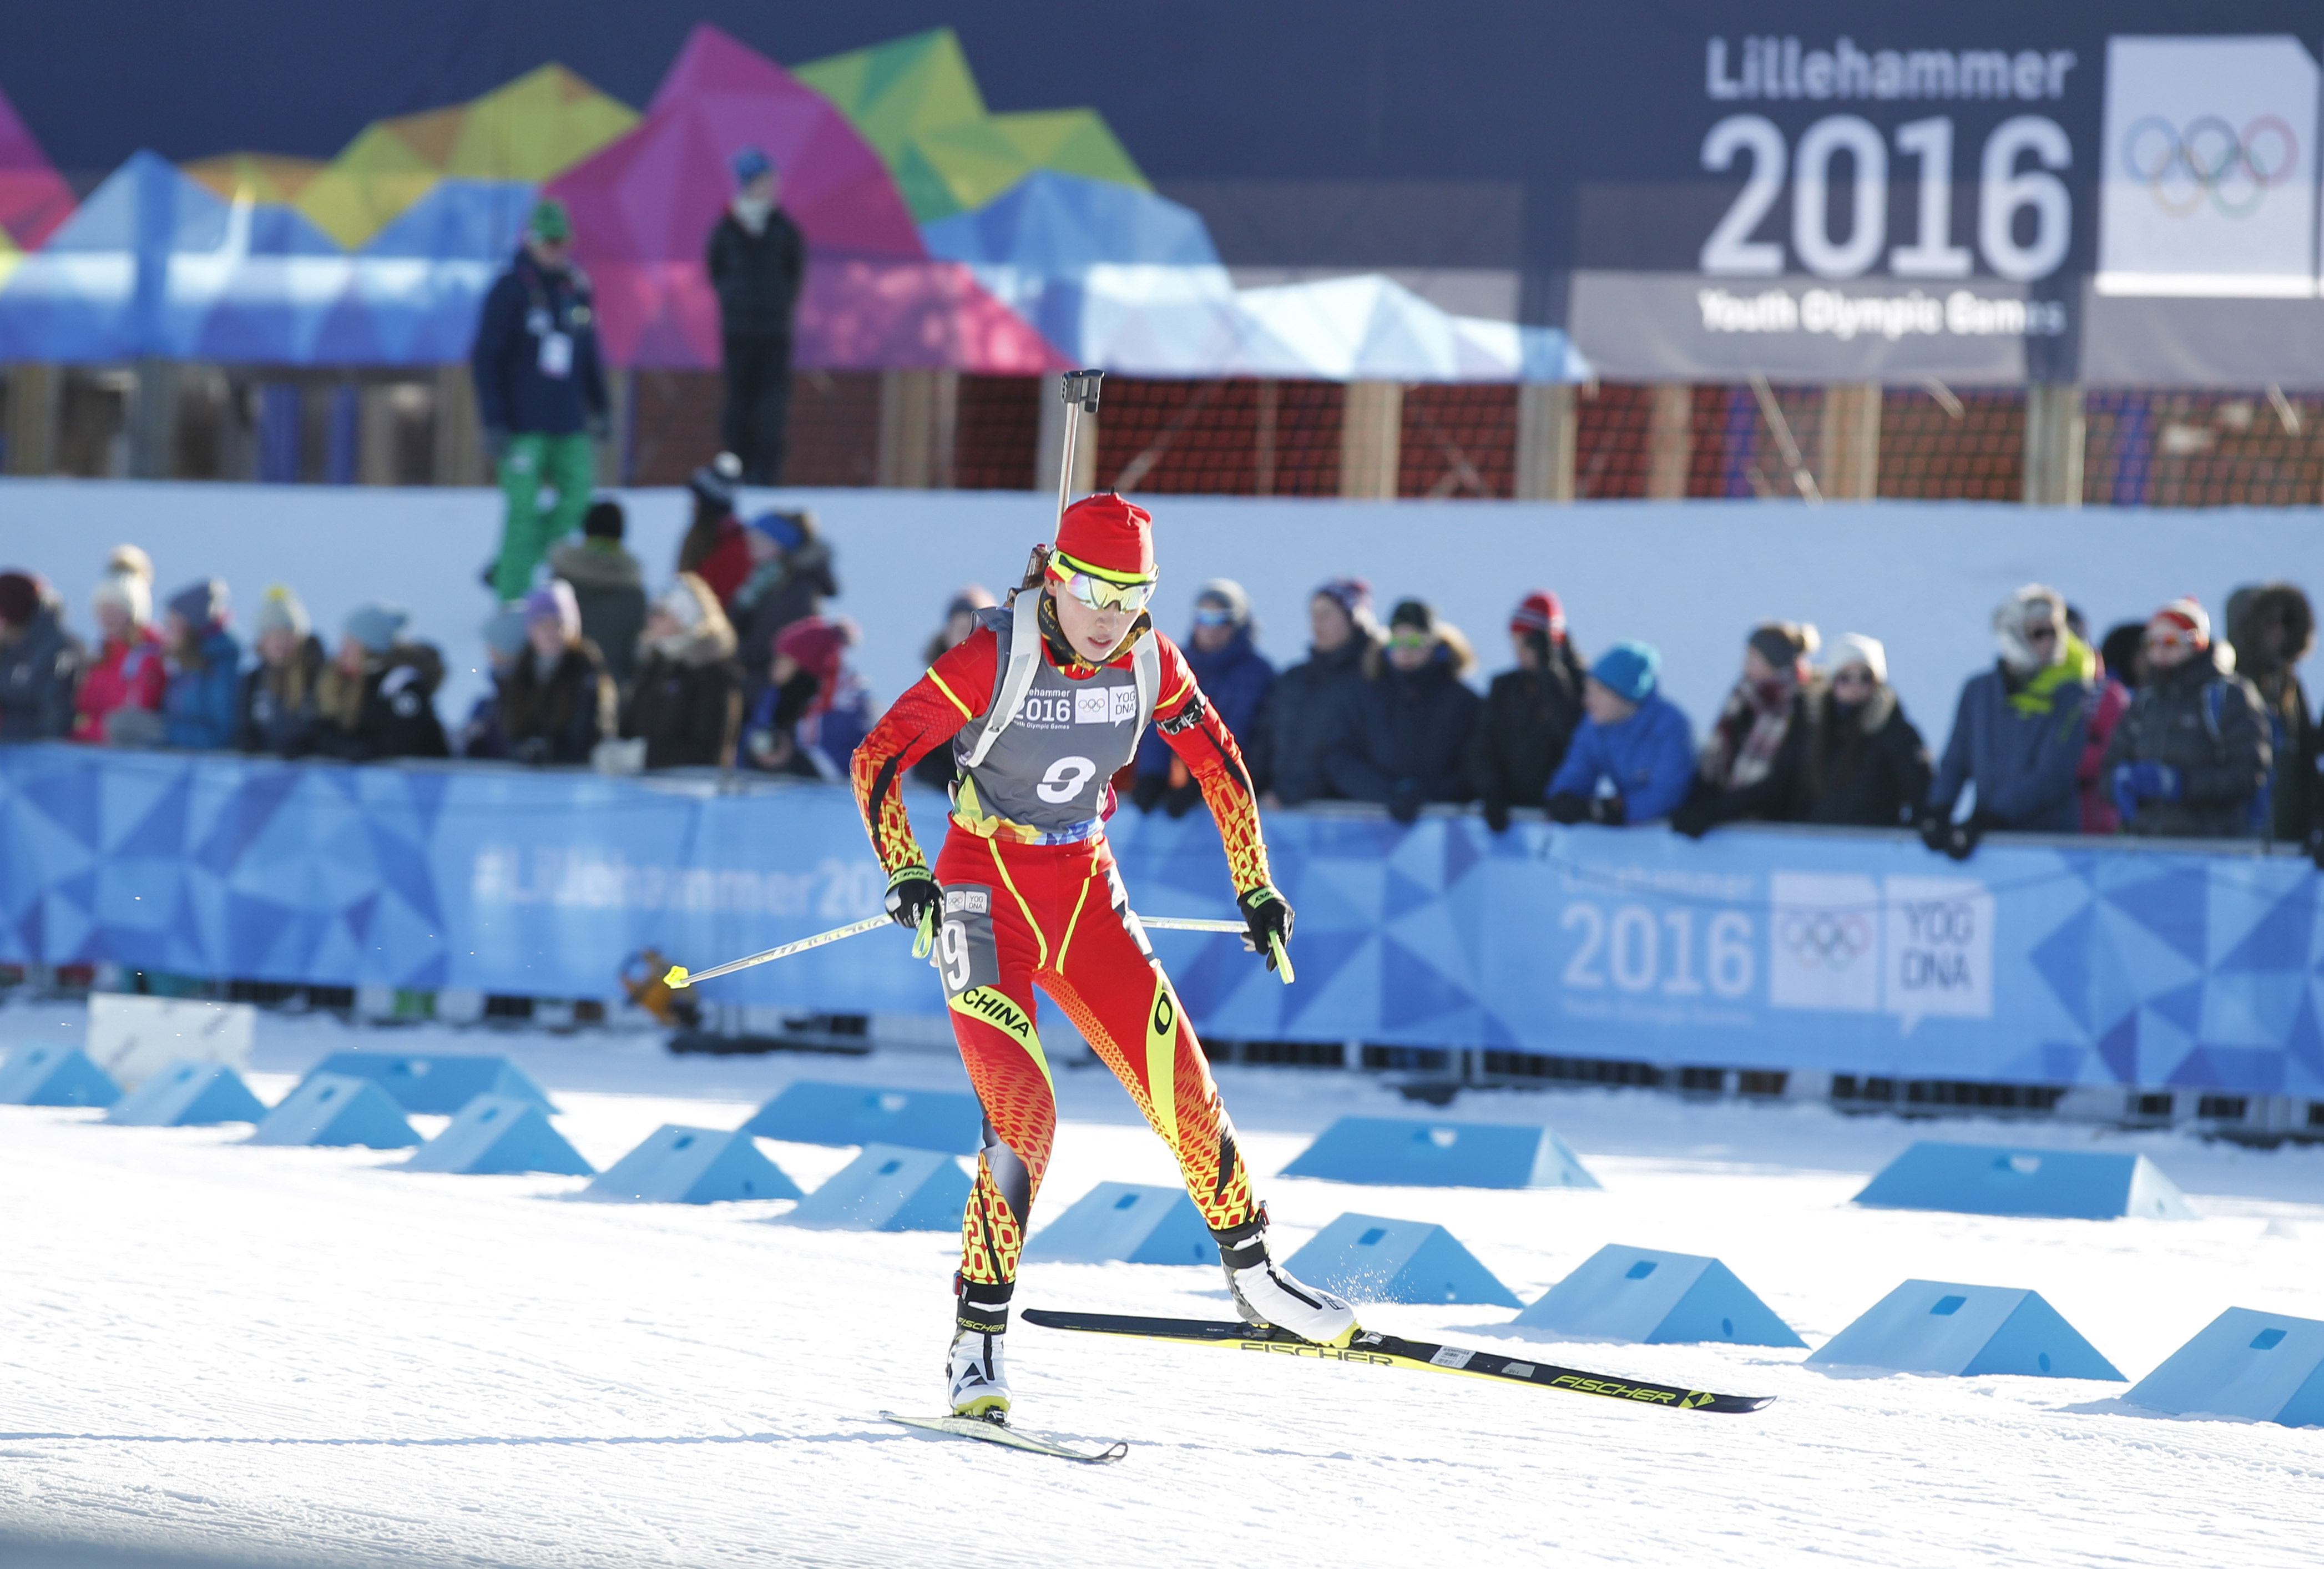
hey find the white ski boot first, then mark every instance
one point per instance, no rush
(1265, 1294)
(980, 1382)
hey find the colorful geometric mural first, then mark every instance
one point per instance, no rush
(940, 235)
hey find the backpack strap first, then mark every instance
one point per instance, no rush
(1146, 667)
(1017, 677)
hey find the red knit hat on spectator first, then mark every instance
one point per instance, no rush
(1540, 612)
(1106, 552)
(2181, 620)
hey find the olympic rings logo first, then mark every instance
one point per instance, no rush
(1826, 939)
(2209, 161)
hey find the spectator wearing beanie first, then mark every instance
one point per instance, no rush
(791, 577)
(41, 662)
(1633, 759)
(2272, 628)
(1235, 677)
(2191, 756)
(813, 711)
(1753, 762)
(1310, 704)
(281, 694)
(1411, 723)
(687, 704)
(503, 633)
(120, 697)
(201, 707)
(609, 586)
(714, 548)
(936, 770)
(376, 700)
(1530, 712)
(1867, 766)
(2018, 730)
(558, 702)
(2109, 700)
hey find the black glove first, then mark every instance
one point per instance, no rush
(1147, 791)
(915, 903)
(1404, 800)
(1568, 808)
(1693, 818)
(1958, 840)
(1936, 830)
(1497, 815)
(1267, 916)
(1609, 811)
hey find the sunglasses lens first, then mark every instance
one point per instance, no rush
(1101, 595)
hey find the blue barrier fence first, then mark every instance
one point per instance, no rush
(2057, 963)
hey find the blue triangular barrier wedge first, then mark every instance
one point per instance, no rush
(2002, 1179)
(1370, 1259)
(1410, 1152)
(814, 1112)
(499, 1134)
(680, 1165)
(436, 1084)
(2265, 1367)
(1934, 1326)
(55, 1075)
(333, 1109)
(1653, 1298)
(188, 1095)
(888, 1189)
(1129, 1223)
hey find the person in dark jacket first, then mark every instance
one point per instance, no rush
(938, 769)
(1755, 761)
(39, 661)
(756, 263)
(1410, 726)
(714, 546)
(377, 698)
(505, 642)
(687, 704)
(280, 694)
(557, 702)
(1308, 706)
(608, 584)
(1235, 677)
(2191, 754)
(201, 706)
(1530, 712)
(1633, 759)
(2272, 628)
(1867, 766)
(791, 577)
(2018, 730)
(541, 394)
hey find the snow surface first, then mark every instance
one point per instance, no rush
(306, 1356)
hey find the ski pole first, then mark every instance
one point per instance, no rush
(1080, 391)
(1172, 923)
(679, 977)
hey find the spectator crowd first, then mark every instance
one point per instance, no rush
(2171, 728)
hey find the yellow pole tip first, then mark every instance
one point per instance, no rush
(676, 979)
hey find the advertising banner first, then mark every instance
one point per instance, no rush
(2033, 963)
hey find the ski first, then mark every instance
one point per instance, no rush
(1391, 1350)
(993, 1431)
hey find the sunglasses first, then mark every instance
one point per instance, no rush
(1410, 640)
(1853, 675)
(1212, 615)
(2041, 634)
(1099, 590)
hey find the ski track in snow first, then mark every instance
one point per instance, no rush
(280, 1356)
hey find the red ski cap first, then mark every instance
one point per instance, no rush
(1109, 535)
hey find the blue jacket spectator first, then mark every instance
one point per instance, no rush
(201, 707)
(2018, 730)
(1410, 726)
(535, 356)
(1235, 677)
(1310, 702)
(1633, 759)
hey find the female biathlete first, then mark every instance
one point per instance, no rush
(1042, 704)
